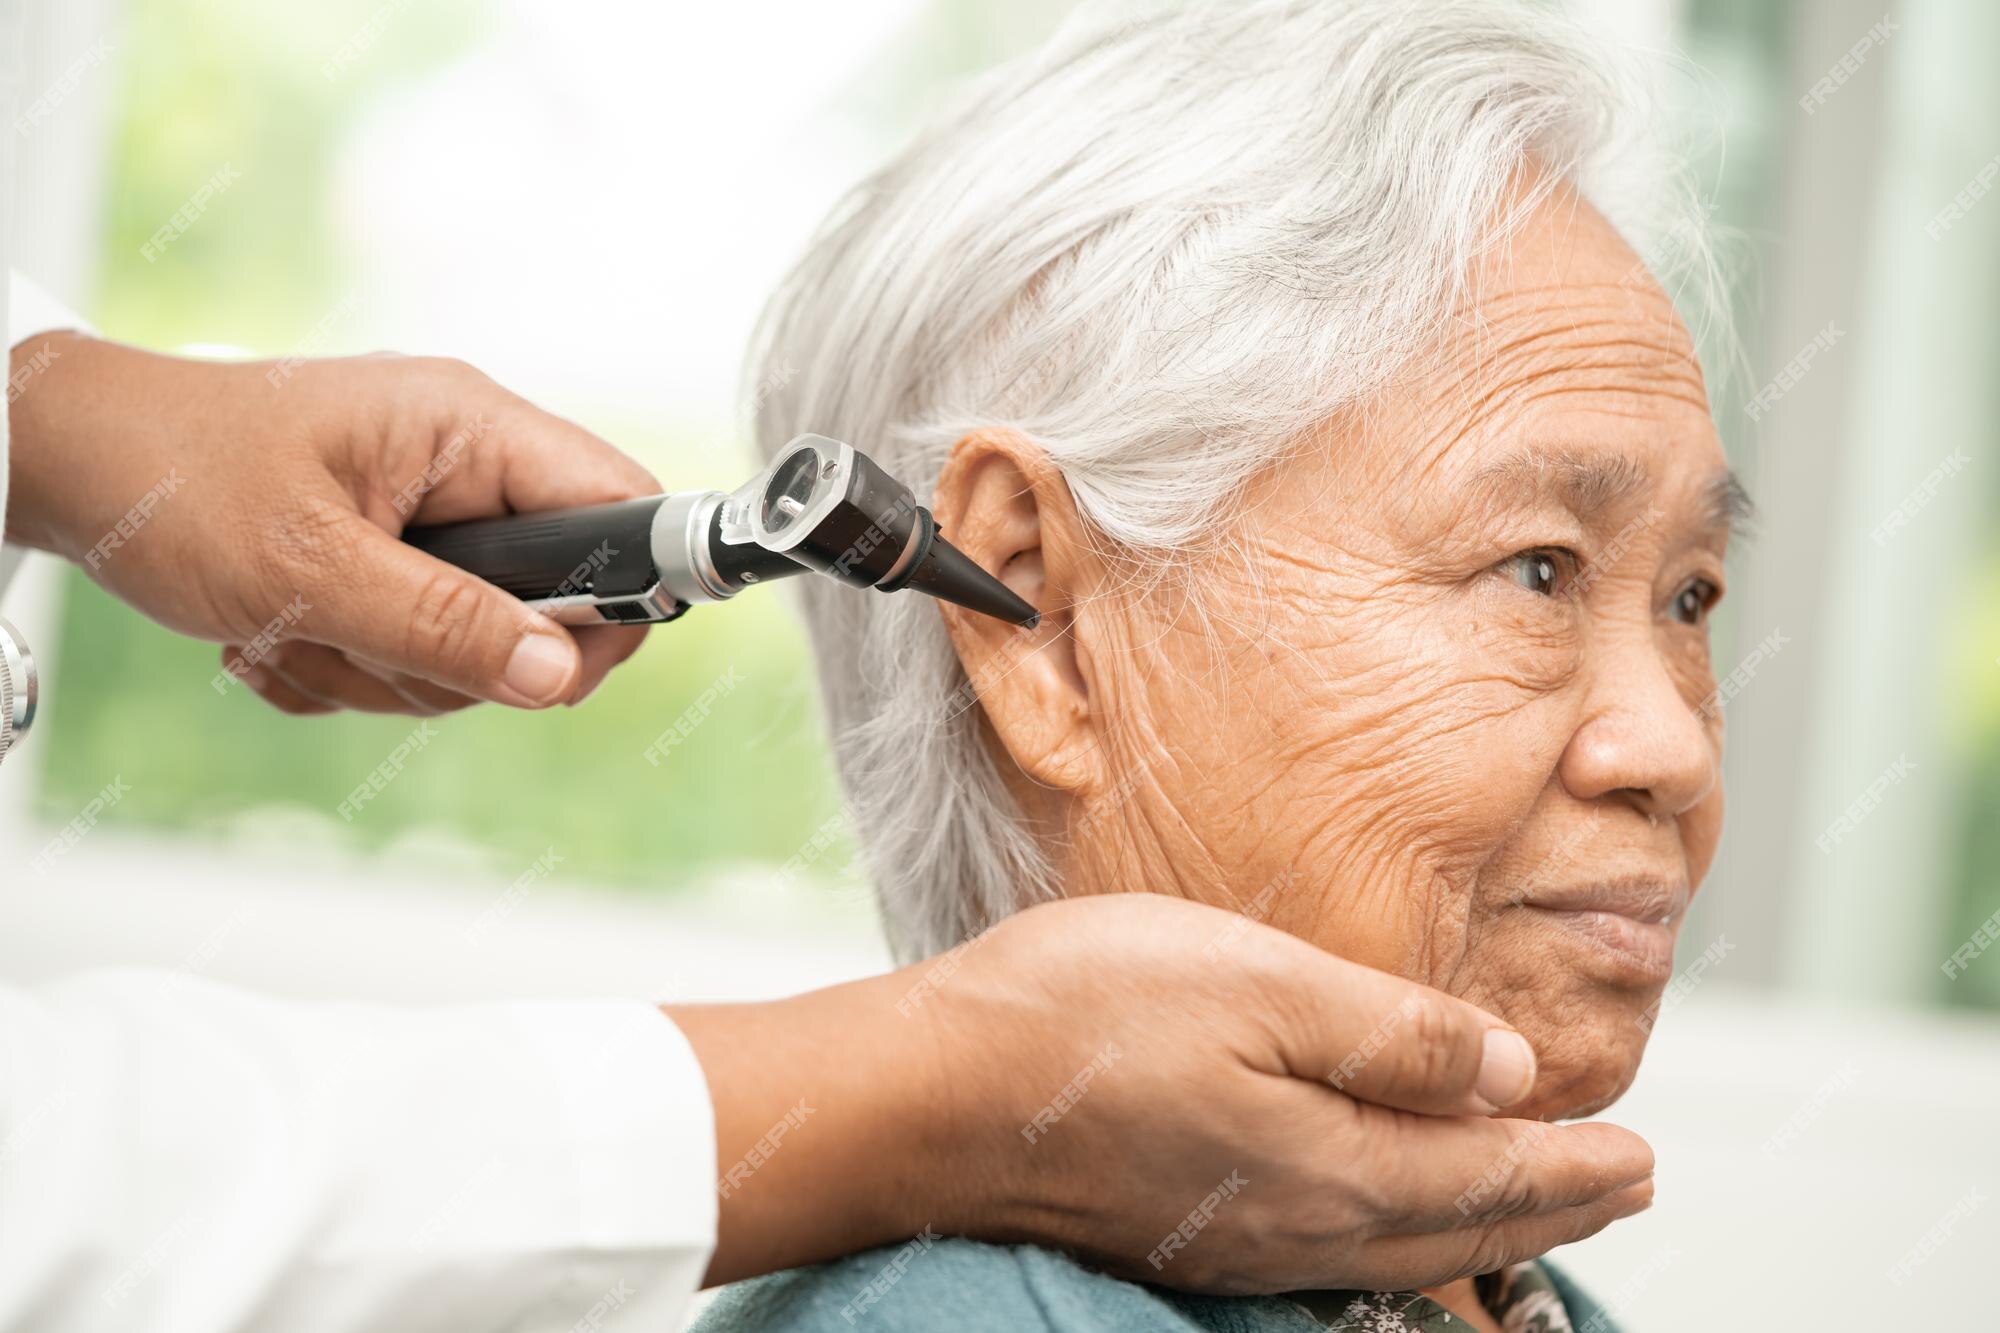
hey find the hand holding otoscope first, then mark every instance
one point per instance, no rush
(821, 506)
(254, 505)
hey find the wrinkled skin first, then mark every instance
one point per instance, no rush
(1381, 721)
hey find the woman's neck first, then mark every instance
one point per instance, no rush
(1462, 1299)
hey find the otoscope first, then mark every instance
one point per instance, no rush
(821, 506)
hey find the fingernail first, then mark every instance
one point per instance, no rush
(1506, 1067)
(1634, 1198)
(539, 667)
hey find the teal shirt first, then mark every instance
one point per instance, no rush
(930, 1284)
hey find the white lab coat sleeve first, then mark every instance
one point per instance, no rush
(179, 1156)
(31, 310)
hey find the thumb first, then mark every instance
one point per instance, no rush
(397, 607)
(1383, 1039)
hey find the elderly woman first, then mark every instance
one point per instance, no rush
(1287, 355)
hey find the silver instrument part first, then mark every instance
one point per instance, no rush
(20, 688)
(680, 548)
(585, 609)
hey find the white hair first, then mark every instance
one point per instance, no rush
(1160, 248)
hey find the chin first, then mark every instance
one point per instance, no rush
(1589, 1033)
(1586, 1010)
(1586, 1062)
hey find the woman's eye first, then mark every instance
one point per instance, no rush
(1693, 603)
(1539, 571)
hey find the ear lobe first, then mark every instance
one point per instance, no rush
(1001, 502)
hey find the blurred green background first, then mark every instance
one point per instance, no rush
(203, 82)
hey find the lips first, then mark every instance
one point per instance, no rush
(1629, 924)
(1648, 900)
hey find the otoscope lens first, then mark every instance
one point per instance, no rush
(790, 490)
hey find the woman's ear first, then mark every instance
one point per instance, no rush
(1002, 502)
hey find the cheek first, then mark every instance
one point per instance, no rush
(1531, 644)
(1381, 759)
(1453, 730)
(1685, 651)
(1701, 833)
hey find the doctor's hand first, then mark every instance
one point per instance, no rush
(1179, 1094)
(257, 504)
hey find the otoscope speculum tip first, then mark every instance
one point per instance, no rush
(949, 574)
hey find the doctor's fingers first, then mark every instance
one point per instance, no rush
(1387, 1040)
(1404, 1201)
(603, 647)
(600, 647)
(1405, 1262)
(327, 677)
(270, 687)
(1456, 1173)
(306, 678)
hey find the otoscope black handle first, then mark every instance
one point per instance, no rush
(626, 563)
(601, 550)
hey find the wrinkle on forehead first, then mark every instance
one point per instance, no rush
(1561, 324)
(1564, 344)
(1562, 347)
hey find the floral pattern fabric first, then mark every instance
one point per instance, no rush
(1521, 1299)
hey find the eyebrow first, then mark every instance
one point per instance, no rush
(1730, 508)
(1588, 485)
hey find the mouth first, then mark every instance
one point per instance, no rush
(1629, 924)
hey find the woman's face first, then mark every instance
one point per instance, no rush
(1445, 708)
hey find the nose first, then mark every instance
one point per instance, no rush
(1641, 737)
